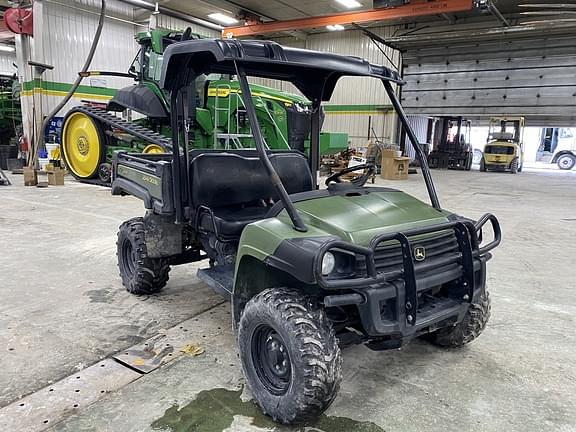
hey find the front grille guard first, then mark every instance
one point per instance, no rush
(468, 248)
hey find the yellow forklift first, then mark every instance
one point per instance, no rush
(504, 150)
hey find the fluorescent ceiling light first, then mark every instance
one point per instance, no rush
(335, 27)
(350, 4)
(221, 18)
(7, 48)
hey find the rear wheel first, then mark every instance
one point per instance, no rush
(514, 166)
(83, 145)
(566, 162)
(140, 274)
(290, 356)
(468, 329)
(482, 166)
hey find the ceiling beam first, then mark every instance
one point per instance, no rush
(413, 9)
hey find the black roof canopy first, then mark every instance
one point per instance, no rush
(315, 73)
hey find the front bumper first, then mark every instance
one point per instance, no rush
(388, 302)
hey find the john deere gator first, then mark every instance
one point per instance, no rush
(90, 135)
(307, 270)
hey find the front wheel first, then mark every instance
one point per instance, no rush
(290, 355)
(140, 274)
(566, 162)
(468, 329)
(482, 166)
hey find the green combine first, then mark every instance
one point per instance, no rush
(10, 118)
(216, 115)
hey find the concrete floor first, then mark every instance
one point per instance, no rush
(63, 308)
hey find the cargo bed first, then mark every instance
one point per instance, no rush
(147, 176)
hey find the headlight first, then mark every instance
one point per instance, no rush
(338, 264)
(328, 263)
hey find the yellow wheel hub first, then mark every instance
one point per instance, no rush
(153, 148)
(81, 145)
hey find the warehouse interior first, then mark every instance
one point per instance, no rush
(352, 178)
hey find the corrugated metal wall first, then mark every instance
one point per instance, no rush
(419, 125)
(534, 77)
(68, 28)
(6, 63)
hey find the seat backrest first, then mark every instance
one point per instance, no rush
(232, 177)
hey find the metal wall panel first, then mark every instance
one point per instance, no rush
(534, 77)
(68, 34)
(419, 125)
(6, 63)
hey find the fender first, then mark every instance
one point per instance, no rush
(139, 98)
(561, 153)
(272, 254)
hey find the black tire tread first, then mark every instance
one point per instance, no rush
(482, 165)
(319, 351)
(470, 328)
(514, 166)
(151, 274)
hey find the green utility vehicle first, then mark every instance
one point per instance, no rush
(307, 270)
(90, 135)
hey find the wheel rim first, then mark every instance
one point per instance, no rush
(565, 162)
(128, 258)
(271, 360)
(81, 145)
(104, 172)
(153, 148)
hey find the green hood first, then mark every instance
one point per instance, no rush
(358, 219)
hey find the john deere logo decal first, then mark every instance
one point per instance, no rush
(419, 253)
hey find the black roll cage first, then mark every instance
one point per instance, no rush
(314, 73)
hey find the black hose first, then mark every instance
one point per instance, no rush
(79, 77)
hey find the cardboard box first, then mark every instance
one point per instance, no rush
(56, 177)
(395, 168)
(30, 176)
(387, 153)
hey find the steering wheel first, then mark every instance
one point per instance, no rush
(358, 181)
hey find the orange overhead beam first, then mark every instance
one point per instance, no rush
(413, 9)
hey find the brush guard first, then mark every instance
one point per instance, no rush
(404, 284)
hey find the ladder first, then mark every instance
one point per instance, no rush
(232, 139)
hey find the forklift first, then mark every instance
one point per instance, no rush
(504, 150)
(454, 150)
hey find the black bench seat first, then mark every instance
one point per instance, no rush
(230, 188)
